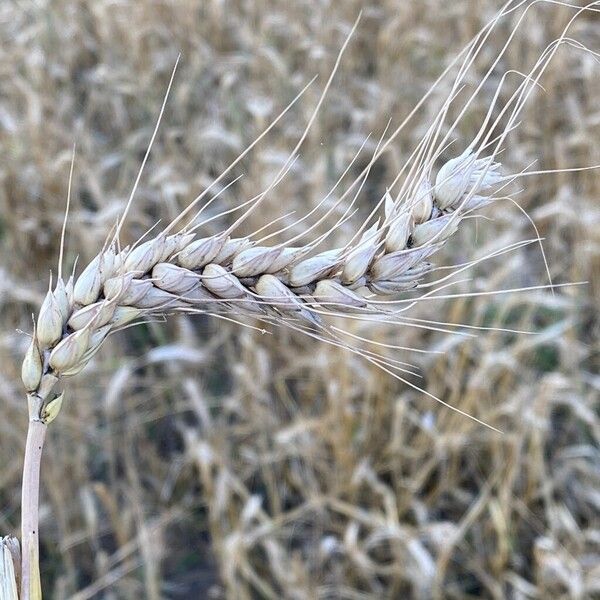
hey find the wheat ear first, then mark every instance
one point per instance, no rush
(224, 274)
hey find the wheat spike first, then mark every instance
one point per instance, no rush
(291, 284)
(223, 274)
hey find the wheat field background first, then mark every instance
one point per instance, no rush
(200, 459)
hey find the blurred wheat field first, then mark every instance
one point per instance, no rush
(200, 459)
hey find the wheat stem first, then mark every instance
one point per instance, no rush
(30, 564)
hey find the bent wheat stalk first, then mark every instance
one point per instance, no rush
(179, 272)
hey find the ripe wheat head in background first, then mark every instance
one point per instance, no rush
(358, 296)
